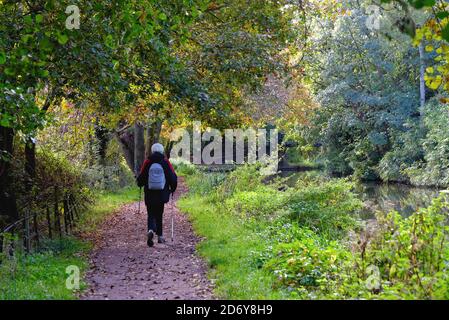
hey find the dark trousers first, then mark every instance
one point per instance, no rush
(155, 213)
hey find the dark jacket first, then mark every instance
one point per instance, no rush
(158, 196)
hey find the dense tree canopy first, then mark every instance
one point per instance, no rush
(357, 89)
(132, 66)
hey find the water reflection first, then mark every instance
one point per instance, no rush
(380, 197)
(387, 197)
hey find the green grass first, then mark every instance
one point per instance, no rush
(42, 275)
(228, 248)
(245, 222)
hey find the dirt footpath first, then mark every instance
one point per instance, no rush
(124, 267)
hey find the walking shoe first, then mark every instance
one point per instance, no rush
(150, 236)
(160, 239)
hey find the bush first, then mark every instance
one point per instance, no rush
(405, 258)
(263, 201)
(54, 175)
(411, 254)
(329, 208)
(108, 178)
(310, 266)
(205, 184)
(434, 169)
(406, 151)
(244, 178)
(182, 167)
(52, 171)
(420, 154)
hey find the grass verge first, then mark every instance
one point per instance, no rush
(228, 249)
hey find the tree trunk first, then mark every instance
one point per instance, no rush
(7, 195)
(126, 141)
(30, 162)
(139, 147)
(422, 84)
(153, 134)
(168, 148)
(102, 140)
(30, 173)
(134, 147)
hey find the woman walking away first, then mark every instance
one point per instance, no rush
(159, 180)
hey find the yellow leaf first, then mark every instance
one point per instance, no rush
(435, 84)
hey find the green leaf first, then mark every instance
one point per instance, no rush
(195, 12)
(26, 37)
(162, 16)
(39, 18)
(28, 20)
(9, 71)
(445, 33)
(45, 44)
(109, 41)
(4, 122)
(442, 14)
(2, 57)
(62, 38)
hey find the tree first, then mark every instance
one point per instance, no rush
(42, 62)
(228, 50)
(368, 88)
(435, 31)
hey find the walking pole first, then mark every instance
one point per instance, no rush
(138, 210)
(172, 221)
(140, 200)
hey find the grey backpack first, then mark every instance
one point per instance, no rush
(156, 177)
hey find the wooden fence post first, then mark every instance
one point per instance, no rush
(27, 236)
(66, 215)
(57, 214)
(36, 229)
(71, 210)
(75, 207)
(12, 246)
(64, 211)
(50, 234)
(25, 233)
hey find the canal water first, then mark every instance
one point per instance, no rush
(399, 197)
(384, 197)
